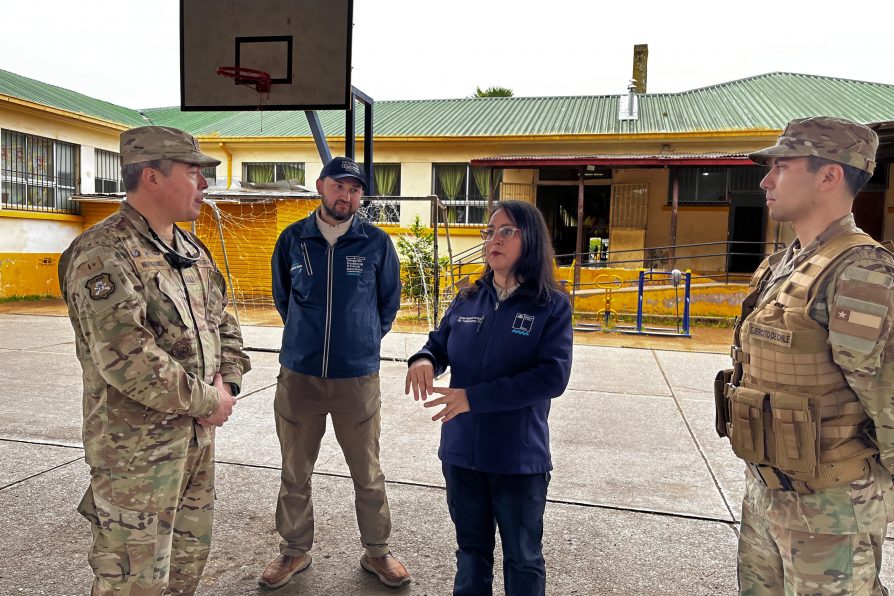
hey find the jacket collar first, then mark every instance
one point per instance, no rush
(797, 254)
(309, 228)
(486, 284)
(136, 219)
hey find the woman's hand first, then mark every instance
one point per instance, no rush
(421, 377)
(454, 401)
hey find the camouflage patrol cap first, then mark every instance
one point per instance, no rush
(831, 138)
(147, 143)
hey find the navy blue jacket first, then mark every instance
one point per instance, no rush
(338, 302)
(512, 358)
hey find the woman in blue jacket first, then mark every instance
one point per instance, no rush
(507, 340)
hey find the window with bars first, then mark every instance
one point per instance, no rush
(713, 185)
(629, 206)
(387, 179)
(465, 191)
(108, 172)
(270, 172)
(38, 174)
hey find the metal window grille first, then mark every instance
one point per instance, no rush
(108, 172)
(713, 186)
(469, 207)
(629, 206)
(38, 174)
(387, 212)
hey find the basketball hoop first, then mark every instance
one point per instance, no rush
(250, 77)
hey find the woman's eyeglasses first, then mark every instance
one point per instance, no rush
(506, 232)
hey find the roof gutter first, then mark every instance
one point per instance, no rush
(536, 162)
(613, 137)
(63, 113)
(223, 147)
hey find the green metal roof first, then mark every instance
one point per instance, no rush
(71, 101)
(755, 103)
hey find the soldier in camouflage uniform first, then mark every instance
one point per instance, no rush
(162, 361)
(808, 405)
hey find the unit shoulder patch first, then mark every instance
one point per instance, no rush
(100, 287)
(858, 310)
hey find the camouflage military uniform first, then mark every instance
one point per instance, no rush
(150, 338)
(829, 541)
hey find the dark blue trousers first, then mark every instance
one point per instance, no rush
(480, 502)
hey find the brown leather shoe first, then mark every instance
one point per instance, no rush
(281, 569)
(390, 571)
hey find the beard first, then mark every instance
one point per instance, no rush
(335, 214)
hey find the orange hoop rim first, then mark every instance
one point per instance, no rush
(251, 77)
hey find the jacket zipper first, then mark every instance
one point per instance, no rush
(327, 331)
(310, 270)
(483, 344)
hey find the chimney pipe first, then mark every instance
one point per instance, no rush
(640, 66)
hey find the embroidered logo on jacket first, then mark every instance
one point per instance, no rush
(475, 320)
(522, 324)
(354, 265)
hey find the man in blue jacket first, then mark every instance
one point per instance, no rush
(336, 285)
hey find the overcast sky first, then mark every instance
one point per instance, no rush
(127, 51)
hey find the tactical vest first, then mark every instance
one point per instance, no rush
(787, 407)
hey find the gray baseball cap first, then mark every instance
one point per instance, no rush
(148, 143)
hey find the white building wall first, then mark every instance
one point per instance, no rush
(88, 169)
(36, 235)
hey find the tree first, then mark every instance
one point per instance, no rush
(418, 264)
(493, 92)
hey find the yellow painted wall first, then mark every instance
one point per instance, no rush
(623, 244)
(707, 300)
(519, 176)
(29, 274)
(695, 224)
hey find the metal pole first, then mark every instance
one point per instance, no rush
(223, 246)
(641, 283)
(368, 144)
(580, 233)
(434, 204)
(313, 120)
(675, 202)
(350, 131)
(686, 301)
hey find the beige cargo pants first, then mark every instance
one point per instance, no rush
(301, 405)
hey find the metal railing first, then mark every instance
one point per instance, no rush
(668, 257)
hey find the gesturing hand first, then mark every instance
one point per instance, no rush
(454, 401)
(420, 377)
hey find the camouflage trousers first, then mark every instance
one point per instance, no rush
(151, 524)
(774, 560)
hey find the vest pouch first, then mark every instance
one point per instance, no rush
(747, 423)
(795, 430)
(721, 404)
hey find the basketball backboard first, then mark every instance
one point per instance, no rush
(304, 45)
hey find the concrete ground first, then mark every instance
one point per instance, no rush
(644, 497)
